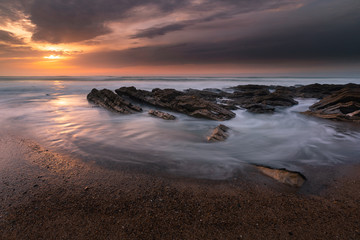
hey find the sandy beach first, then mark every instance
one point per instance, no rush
(47, 195)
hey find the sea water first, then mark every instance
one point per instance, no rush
(55, 111)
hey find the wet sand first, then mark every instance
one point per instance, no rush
(47, 195)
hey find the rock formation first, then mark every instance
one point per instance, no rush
(111, 101)
(163, 115)
(343, 105)
(259, 99)
(178, 101)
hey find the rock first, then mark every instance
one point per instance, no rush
(250, 87)
(228, 104)
(178, 101)
(111, 101)
(259, 99)
(162, 115)
(207, 94)
(249, 94)
(317, 90)
(275, 99)
(343, 105)
(219, 134)
(283, 175)
(259, 108)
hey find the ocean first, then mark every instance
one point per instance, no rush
(55, 112)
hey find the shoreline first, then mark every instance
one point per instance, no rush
(46, 195)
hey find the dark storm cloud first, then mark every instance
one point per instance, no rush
(232, 8)
(62, 21)
(9, 37)
(336, 40)
(10, 10)
(158, 31)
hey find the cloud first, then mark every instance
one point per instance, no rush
(218, 10)
(63, 21)
(9, 37)
(336, 40)
(8, 52)
(11, 10)
(158, 31)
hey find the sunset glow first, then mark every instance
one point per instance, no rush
(53, 57)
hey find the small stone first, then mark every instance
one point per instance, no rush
(283, 175)
(219, 134)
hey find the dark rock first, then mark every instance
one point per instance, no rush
(259, 108)
(111, 101)
(178, 101)
(162, 115)
(283, 175)
(250, 93)
(219, 134)
(228, 104)
(317, 90)
(343, 105)
(250, 87)
(276, 99)
(286, 91)
(207, 94)
(259, 99)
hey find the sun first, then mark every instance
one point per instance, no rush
(53, 57)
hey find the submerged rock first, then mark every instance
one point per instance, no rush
(219, 134)
(111, 101)
(283, 175)
(163, 115)
(178, 101)
(343, 105)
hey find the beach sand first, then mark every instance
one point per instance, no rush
(47, 195)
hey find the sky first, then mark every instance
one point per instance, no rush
(180, 37)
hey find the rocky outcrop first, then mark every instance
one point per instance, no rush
(259, 98)
(220, 133)
(163, 115)
(178, 101)
(317, 90)
(343, 105)
(283, 175)
(111, 101)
